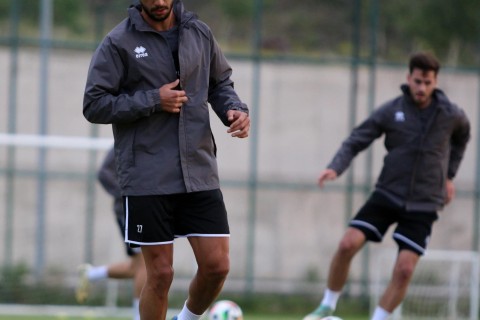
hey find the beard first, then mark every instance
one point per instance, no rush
(159, 18)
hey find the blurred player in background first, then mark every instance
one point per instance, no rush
(152, 78)
(425, 138)
(133, 268)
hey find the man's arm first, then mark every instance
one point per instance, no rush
(450, 191)
(458, 142)
(360, 138)
(104, 102)
(326, 175)
(221, 93)
(240, 123)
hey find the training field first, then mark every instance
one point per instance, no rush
(247, 317)
(4, 317)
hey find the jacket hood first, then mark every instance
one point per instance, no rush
(438, 95)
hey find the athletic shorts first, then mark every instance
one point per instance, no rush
(413, 228)
(119, 211)
(156, 220)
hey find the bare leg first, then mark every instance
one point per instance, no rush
(140, 274)
(133, 268)
(402, 274)
(351, 243)
(121, 270)
(212, 255)
(154, 297)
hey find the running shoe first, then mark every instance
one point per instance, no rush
(83, 284)
(321, 312)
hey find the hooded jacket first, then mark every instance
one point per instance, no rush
(158, 152)
(419, 158)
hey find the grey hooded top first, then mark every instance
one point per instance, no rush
(420, 157)
(158, 152)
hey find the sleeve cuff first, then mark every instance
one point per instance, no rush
(154, 99)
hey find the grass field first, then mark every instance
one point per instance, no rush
(247, 317)
(258, 317)
(253, 317)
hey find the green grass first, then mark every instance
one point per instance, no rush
(246, 317)
(60, 317)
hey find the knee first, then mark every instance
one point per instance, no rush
(404, 271)
(348, 247)
(216, 270)
(161, 276)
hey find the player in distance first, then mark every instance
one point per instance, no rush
(425, 138)
(134, 267)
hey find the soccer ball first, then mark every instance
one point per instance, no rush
(225, 310)
(331, 318)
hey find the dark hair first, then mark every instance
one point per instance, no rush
(424, 61)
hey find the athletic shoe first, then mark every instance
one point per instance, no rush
(321, 312)
(83, 284)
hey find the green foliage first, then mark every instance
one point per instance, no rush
(4, 9)
(69, 13)
(30, 12)
(450, 28)
(16, 286)
(442, 26)
(13, 283)
(66, 13)
(236, 9)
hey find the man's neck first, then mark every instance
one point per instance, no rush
(425, 105)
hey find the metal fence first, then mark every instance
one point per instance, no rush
(304, 99)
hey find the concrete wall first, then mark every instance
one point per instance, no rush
(303, 118)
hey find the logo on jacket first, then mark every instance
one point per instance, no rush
(141, 52)
(399, 116)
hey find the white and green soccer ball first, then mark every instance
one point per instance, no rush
(225, 310)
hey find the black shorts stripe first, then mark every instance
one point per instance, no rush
(413, 228)
(157, 220)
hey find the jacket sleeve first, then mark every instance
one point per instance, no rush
(360, 138)
(104, 102)
(458, 144)
(107, 175)
(221, 93)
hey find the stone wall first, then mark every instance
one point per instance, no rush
(303, 117)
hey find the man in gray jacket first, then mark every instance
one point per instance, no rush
(425, 137)
(152, 78)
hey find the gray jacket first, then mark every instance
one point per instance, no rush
(158, 152)
(419, 160)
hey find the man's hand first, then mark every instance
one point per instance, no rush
(239, 123)
(172, 100)
(326, 175)
(450, 191)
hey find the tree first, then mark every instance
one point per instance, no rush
(450, 28)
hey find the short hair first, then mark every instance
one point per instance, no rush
(424, 61)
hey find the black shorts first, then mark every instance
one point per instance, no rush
(119, 211)
(413, 228)
(155, 220)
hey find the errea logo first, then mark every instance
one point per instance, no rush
(141, 52)
(399, 116)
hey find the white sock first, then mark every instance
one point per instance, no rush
(186, 314)
(136, 309)
(330, 298)
(97, 273)
(380, 314)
